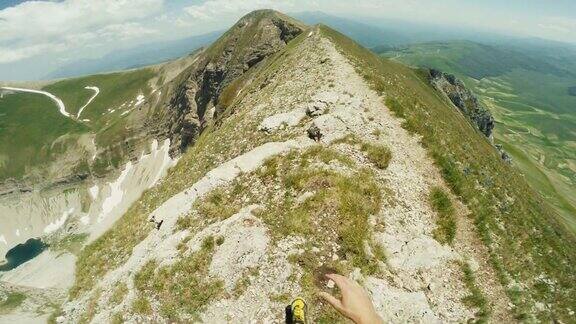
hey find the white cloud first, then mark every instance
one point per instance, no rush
(560, 25)
(34, 27)
(8, 55)
(215, 9)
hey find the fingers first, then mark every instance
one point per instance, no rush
(335, 302)
(340, 281)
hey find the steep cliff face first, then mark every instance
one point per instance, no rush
(255, 37)
(463, 99)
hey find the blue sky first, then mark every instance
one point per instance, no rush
(54, 32)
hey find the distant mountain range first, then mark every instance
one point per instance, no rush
(379, 34)
(142, 55)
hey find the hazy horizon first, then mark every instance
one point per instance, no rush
(37, 37)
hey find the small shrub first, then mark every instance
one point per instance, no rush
(379, 155)
(117, 318)
(220, 240)
(119, 293)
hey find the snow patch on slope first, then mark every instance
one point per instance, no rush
(54, 226)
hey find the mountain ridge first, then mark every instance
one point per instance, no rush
(299, 153)
(314, 51)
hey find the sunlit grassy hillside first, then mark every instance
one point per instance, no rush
(33, 131)
(529, 95)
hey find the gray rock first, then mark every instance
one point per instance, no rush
(314, 133)
(463, 99)
(198, 88)
(316, 109)
(503, 154)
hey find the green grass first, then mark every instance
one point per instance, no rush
(470, 58)
(182, 289)
(13, 300)
(527, 93)
(445, 231)
(520, 230)
(119, 293)
(476, 298)
(337, 199)
(72, 243)
(141, 305)
(378, 154)
(115, 89)
(29, 125)
(209, 151)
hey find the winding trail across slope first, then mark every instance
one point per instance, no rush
(58, 101)
(96, 92)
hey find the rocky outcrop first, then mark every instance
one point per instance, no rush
(255, 37)
(503, 154)
(463, 99)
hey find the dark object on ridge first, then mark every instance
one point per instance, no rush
(156, 224)
(314, 133)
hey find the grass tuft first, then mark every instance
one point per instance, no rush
(13, 300)
(379, 155)
(476, 298)
(445, 231)
(184, 288)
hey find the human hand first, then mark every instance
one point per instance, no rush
(355, 303)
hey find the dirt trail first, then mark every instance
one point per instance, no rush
(58, 101)
(96, 92)
(422, 280)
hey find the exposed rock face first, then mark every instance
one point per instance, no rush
(464, 99)
(255, 37)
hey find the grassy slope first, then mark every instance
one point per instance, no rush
(231, 138)
(519, 228)
(531, 103)
(30, 123)
(115, 89)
